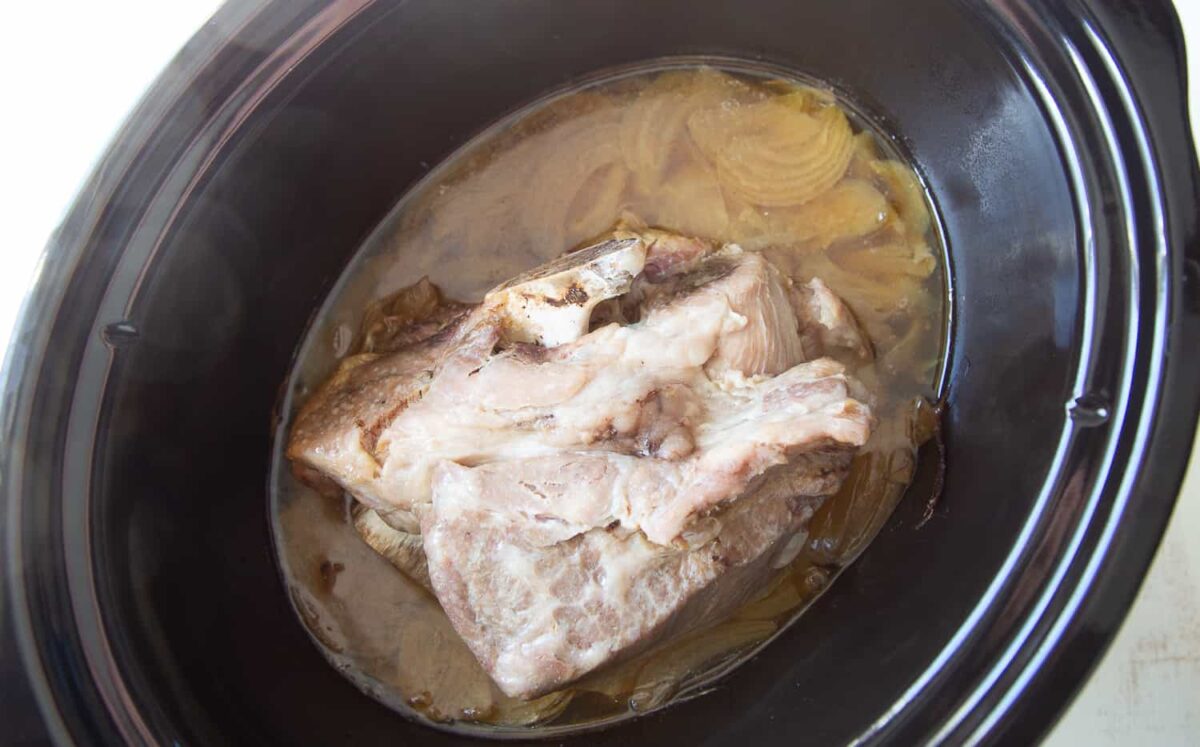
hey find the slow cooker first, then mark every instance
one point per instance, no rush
(141, 600)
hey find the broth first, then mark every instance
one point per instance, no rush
(681, 149)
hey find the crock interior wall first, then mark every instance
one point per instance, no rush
(188, 584)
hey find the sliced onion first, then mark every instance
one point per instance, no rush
(777, 152)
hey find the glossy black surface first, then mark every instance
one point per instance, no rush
(1053, 137)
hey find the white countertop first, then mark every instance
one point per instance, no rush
(73, 89)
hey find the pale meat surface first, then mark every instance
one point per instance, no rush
(538, 616)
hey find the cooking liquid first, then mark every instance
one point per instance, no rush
(678, 149)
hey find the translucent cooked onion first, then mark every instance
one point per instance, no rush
(774, 153)
(851, 209)
(513, 712)
(653, 125)
(863, 158)
(906, 194)
(892, 258)
(562, 173)
(665, 674)
(690, 202)
(547, 193)
(596, 204)
(781, 598)
(466, 217)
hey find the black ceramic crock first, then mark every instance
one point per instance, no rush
(141, 601)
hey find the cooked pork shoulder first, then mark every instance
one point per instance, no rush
(538, 617)
(582, 488)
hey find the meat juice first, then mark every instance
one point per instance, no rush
(716, 152)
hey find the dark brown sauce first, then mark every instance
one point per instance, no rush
(631, 149)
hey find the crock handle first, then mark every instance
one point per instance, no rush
(1145, 35)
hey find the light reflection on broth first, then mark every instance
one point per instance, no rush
(769, 164)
